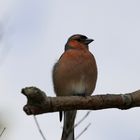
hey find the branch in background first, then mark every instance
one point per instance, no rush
(78, 123)
(38, 102)
(83, 118)
(83, 131)
(39, 129)
(2, 131)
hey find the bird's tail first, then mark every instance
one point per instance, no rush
(68, 127)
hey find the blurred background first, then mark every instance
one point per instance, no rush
(32, 37)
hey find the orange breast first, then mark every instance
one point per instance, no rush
(75, 73)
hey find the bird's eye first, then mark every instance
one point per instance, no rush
(78, 39)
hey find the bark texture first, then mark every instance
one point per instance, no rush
(38, 102)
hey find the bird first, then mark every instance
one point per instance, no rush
(75, 73)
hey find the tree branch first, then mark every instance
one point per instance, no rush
(2, 131)
(38, 102)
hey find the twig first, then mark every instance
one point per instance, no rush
(2, 131)
(38, 127)
(80, 121)
(83, 118)
(83, 131)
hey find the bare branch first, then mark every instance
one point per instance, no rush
(2, 131)
(39, 103)
(39, 129)
(83, 118)
(83, 131)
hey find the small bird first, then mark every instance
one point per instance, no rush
(75, 73)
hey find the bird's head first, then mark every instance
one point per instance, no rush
(78, 41)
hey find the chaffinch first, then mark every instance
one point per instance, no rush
(75, 73)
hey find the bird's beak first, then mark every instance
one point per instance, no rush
(88, 41)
